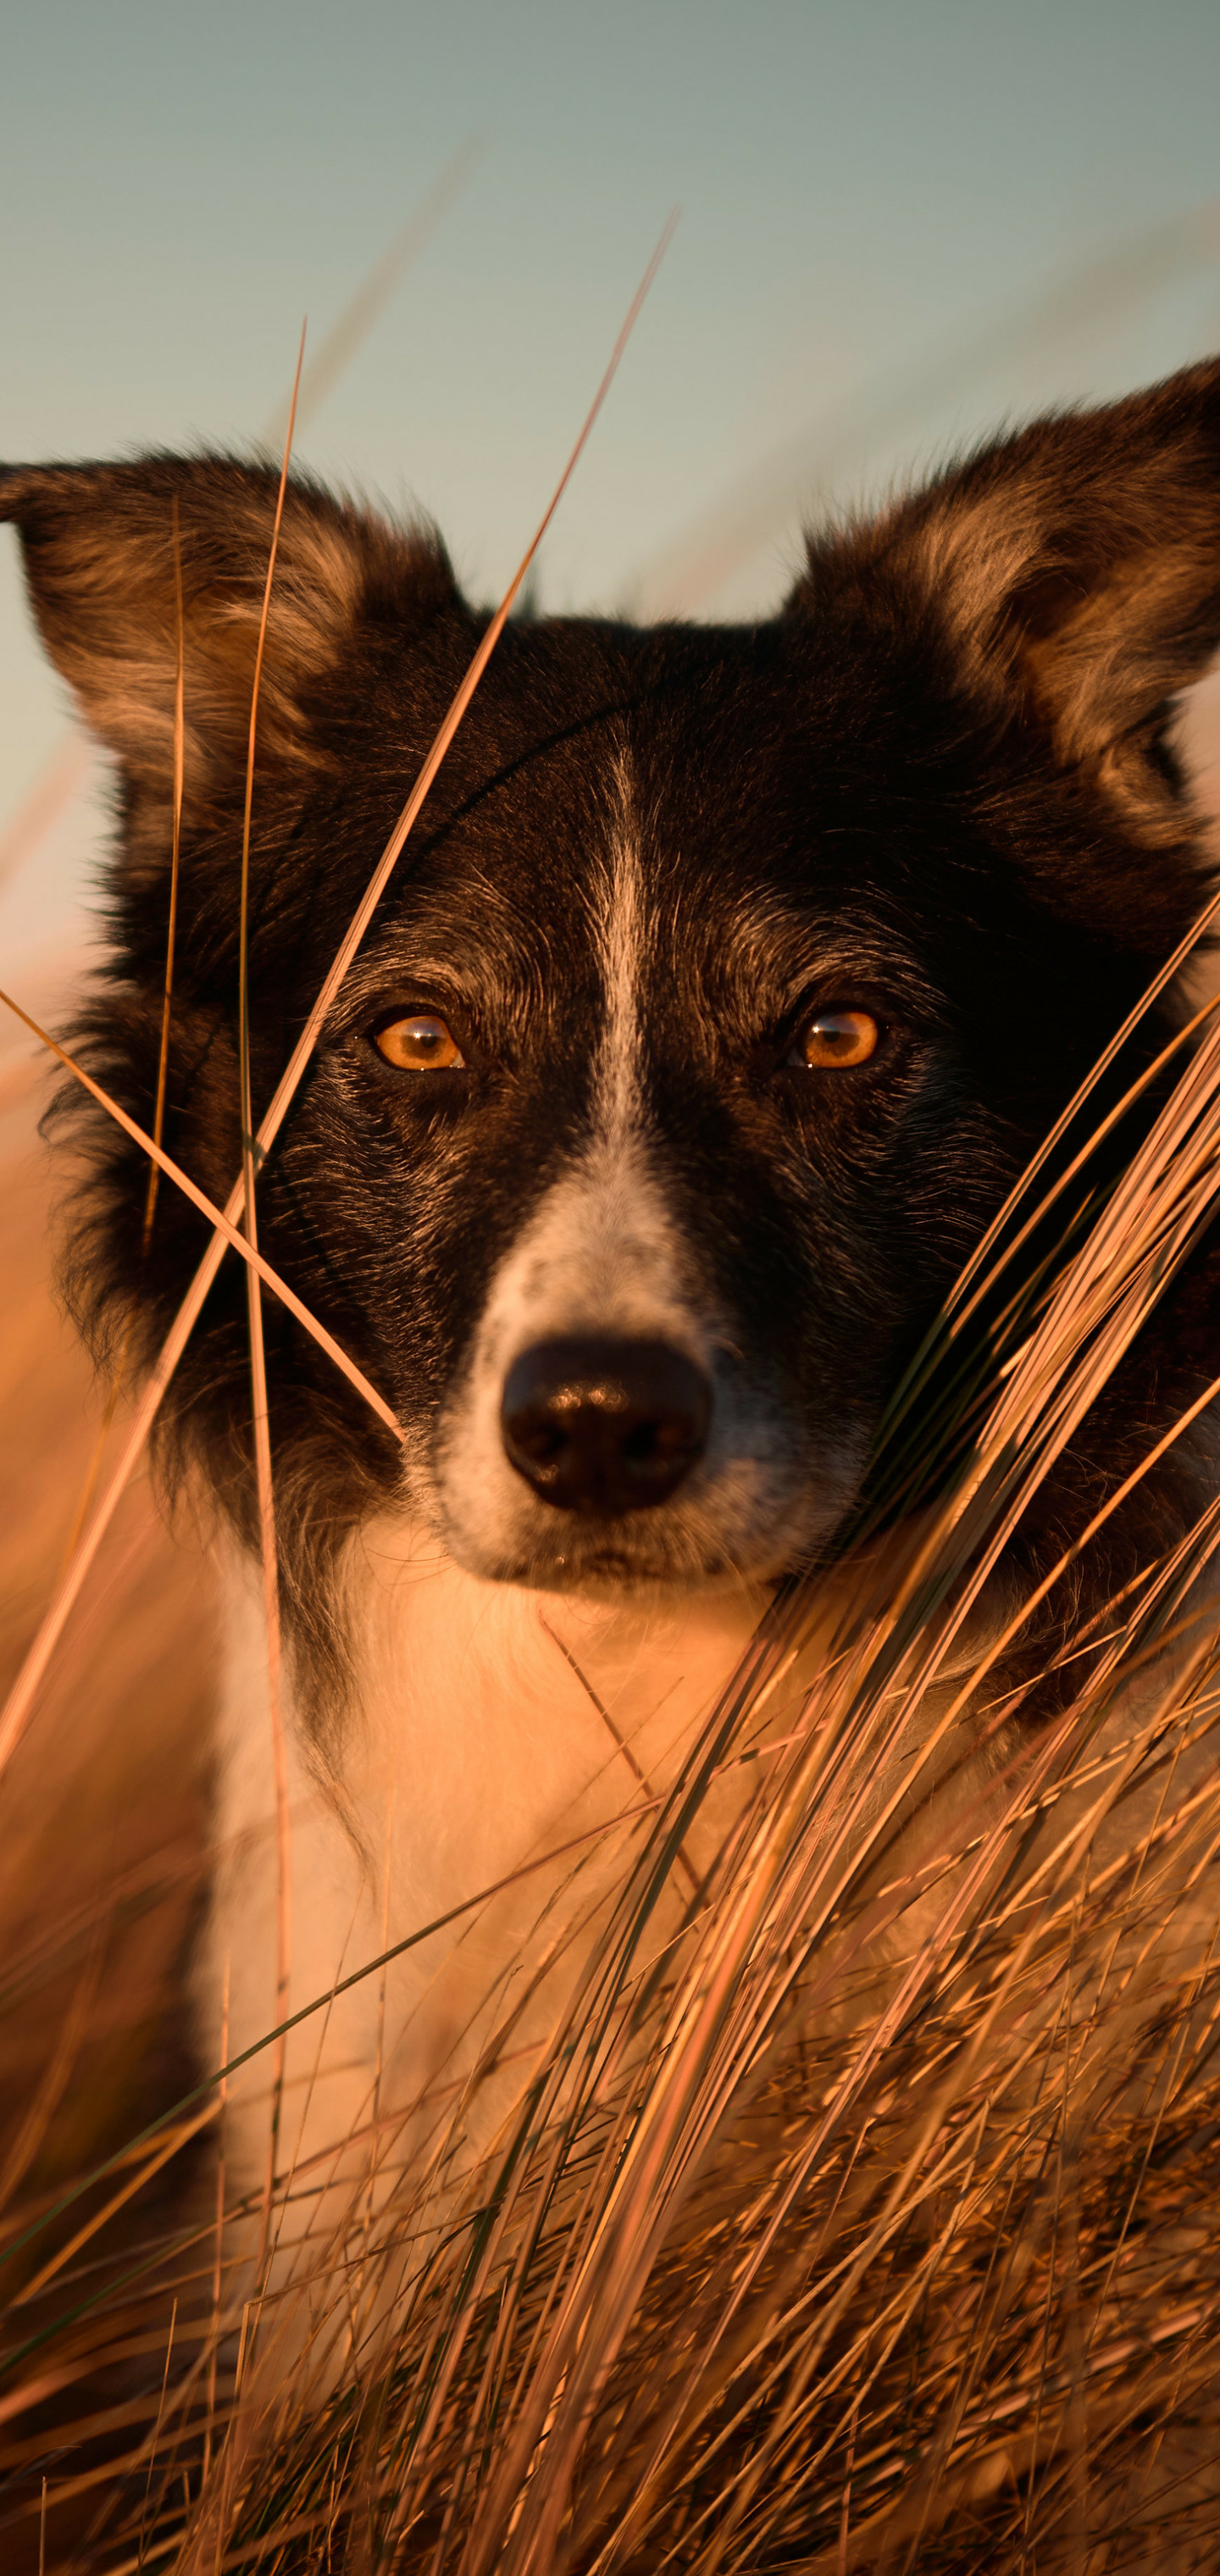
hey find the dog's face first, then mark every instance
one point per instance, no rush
(667, 1097)
(730, 977)
(646, 1115)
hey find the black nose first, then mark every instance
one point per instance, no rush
(604, 1427)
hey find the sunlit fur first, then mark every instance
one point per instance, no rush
(936, 789)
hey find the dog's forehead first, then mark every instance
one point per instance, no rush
(704, 780)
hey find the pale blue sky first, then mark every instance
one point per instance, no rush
(873, 196)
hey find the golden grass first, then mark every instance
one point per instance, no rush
(870, 2223)
(864, 2221)
(254, 1309)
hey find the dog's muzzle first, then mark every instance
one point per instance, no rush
(605, 1427)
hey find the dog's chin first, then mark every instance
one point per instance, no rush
(613, 1562)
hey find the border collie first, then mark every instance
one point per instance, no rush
(729, 981)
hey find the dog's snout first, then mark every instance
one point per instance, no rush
(605, 1427)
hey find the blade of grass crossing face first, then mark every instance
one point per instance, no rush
(167, 1000)
(258, 1379)
(119, 1375)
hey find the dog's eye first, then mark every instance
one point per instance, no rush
(836, 1039)
(421, 1042)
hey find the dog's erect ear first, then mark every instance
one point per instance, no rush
(100, 552)
(1075, 572)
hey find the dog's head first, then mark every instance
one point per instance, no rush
(727, 982)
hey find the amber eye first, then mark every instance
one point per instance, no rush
(421, 1042)
(835, 1039)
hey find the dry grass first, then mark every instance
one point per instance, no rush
(861, 2217)
(868, 2224)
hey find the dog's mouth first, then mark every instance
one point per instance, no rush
(647, 1574)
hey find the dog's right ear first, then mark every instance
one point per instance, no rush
(110, 550)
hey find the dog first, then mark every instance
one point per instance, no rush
(727, 985)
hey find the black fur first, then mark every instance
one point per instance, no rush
(936, 786)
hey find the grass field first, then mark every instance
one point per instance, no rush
(839, 2269)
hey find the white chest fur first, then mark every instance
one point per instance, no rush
(475, 1748)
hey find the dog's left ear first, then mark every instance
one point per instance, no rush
(1074, 573)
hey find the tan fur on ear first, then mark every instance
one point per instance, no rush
(1102, 676)
(1074, 571)
(99, 555)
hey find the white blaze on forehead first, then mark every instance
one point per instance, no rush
(603, 1251)
(621, 930)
